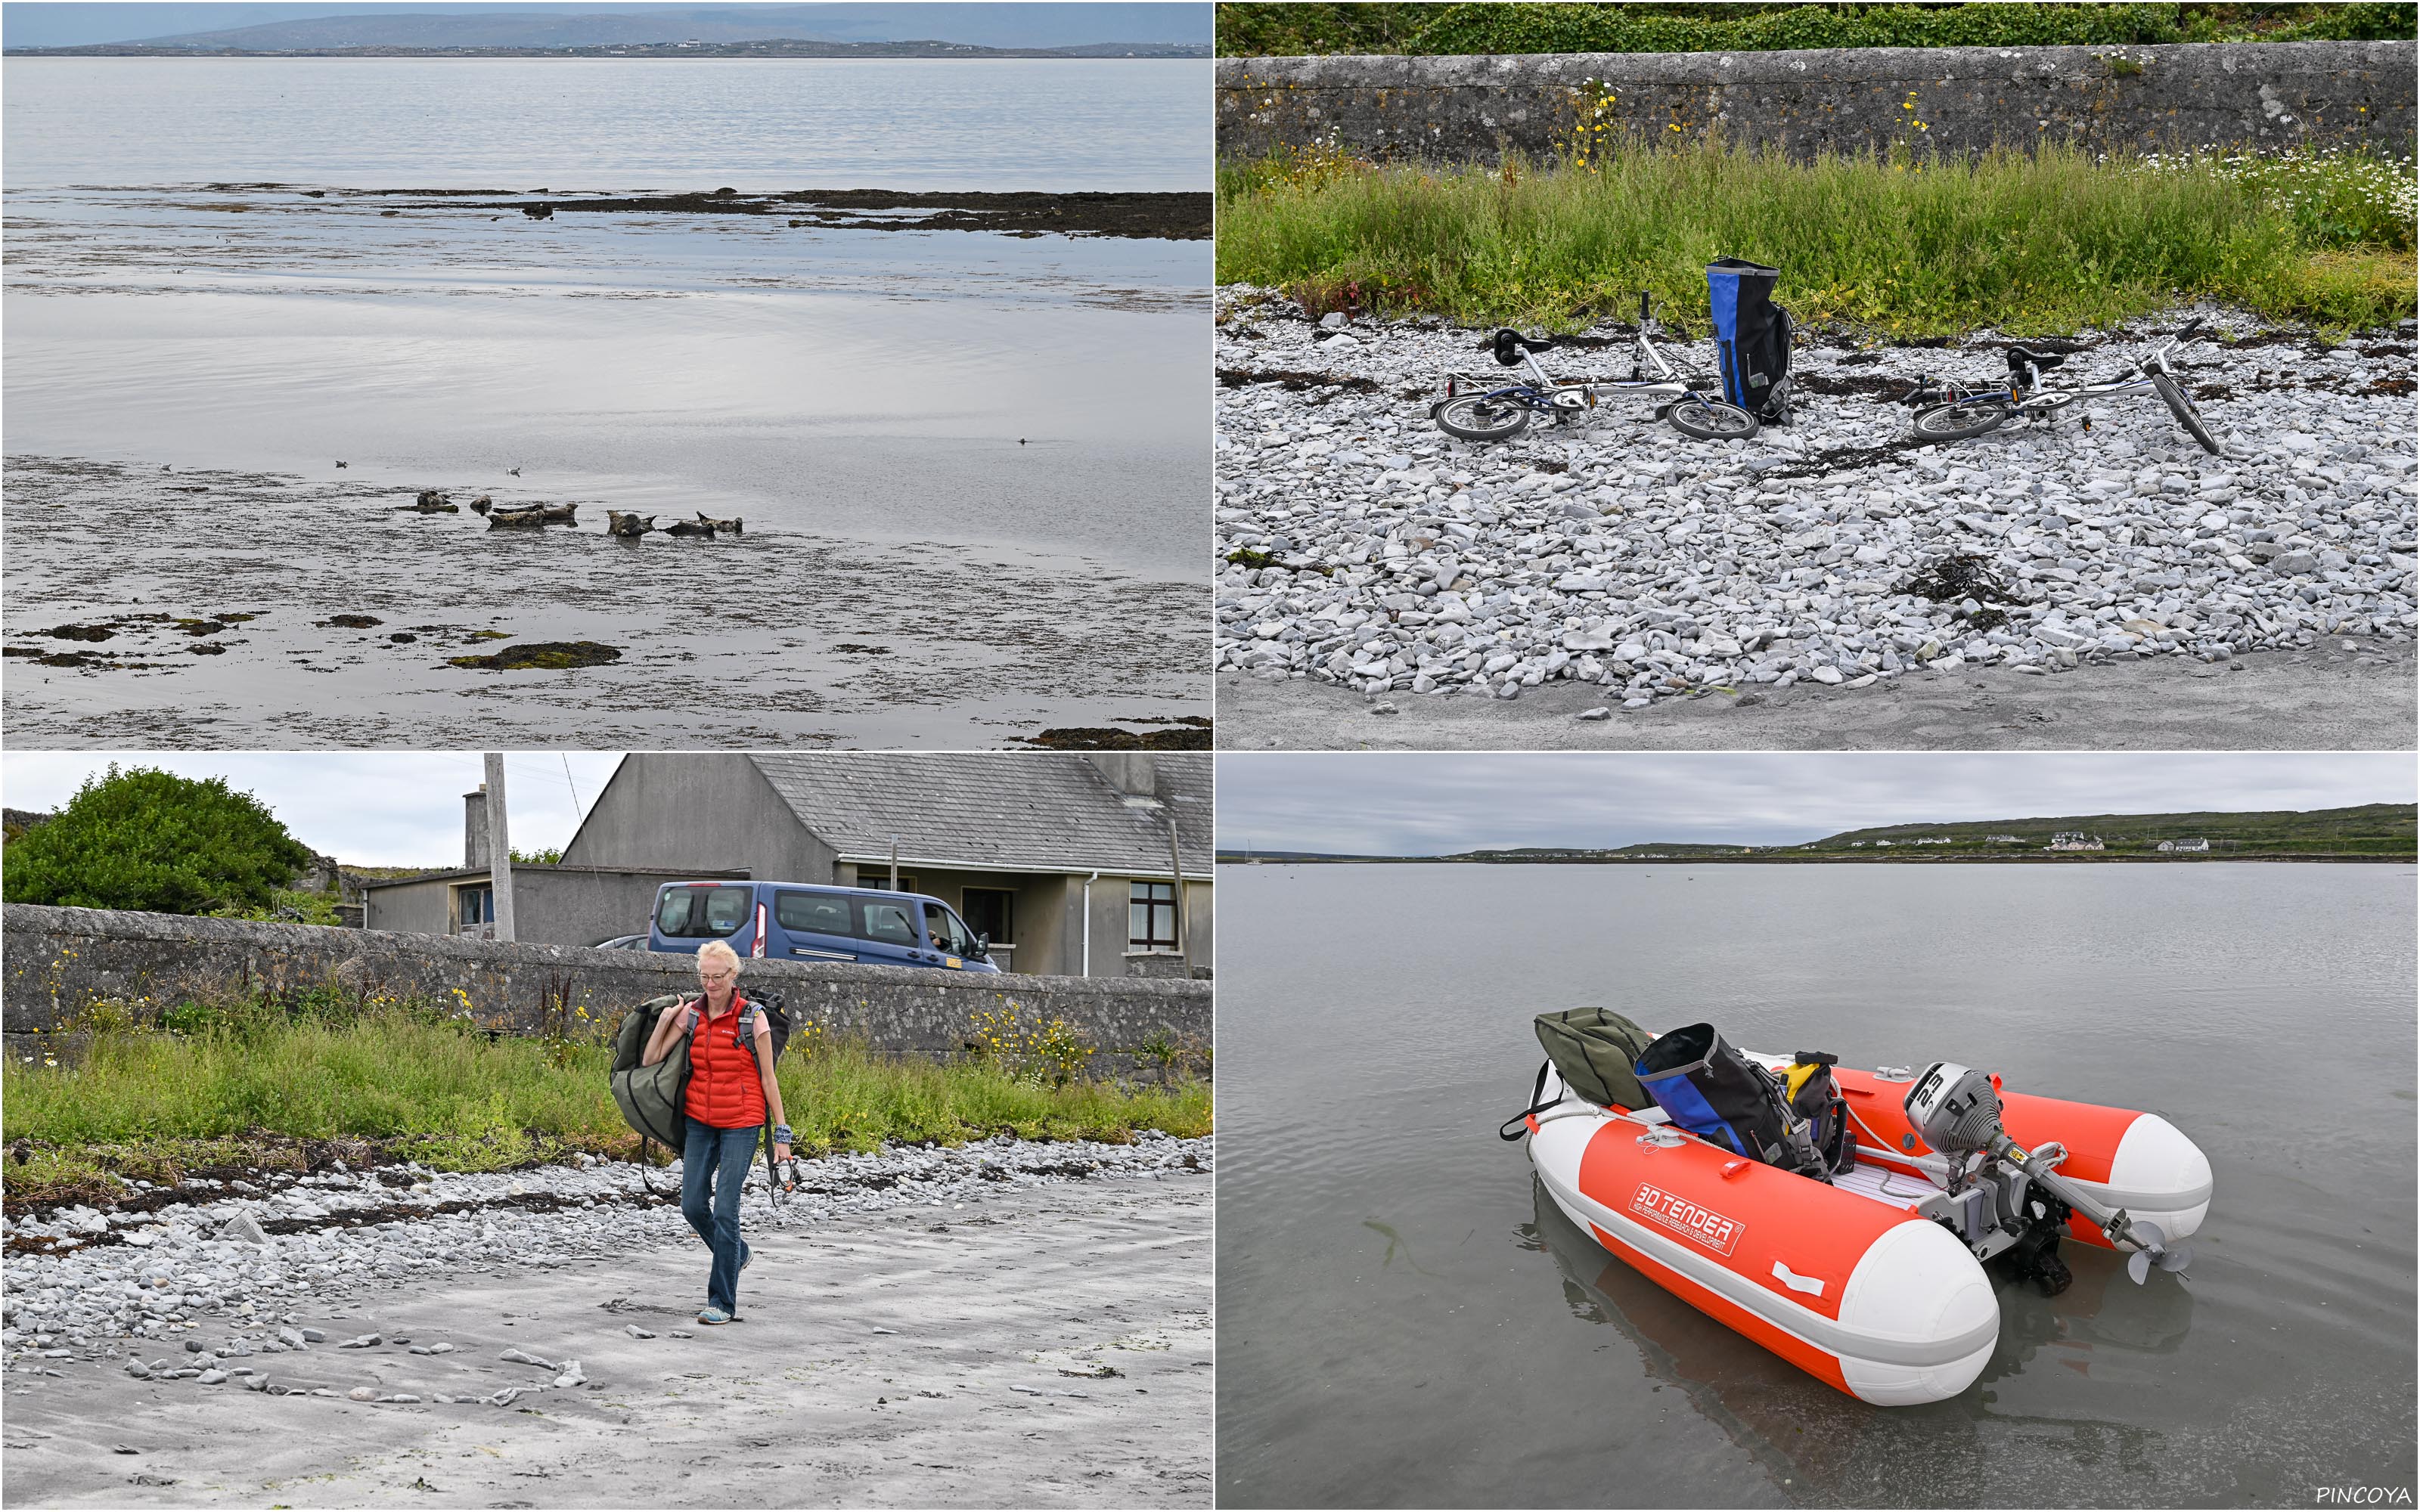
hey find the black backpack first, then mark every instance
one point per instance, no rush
(1727, 1100)
(776, 1011)
(1815, 1096)
(1751, 337)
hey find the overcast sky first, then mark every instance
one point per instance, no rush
(77, 22)
(368, 809)
(80, 22)
(1379, 804)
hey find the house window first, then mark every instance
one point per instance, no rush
(1151, 915)
(879, 878)
(474, 906)
(991, 912)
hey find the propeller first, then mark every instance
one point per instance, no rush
(2156, 1249)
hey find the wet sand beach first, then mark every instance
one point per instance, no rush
(217, 626)
(1049, 1346)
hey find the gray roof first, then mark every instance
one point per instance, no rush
(522, 869)
(1004, 810)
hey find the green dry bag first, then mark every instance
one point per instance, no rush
(1594, 1050)
(653, 1099)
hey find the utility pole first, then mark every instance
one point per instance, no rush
(894, 863)
(500, 847)
(1176, 874)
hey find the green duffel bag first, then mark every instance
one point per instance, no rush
(653, 1099)
(1594, 1050)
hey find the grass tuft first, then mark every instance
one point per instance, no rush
(417, 1086)
(2031, 243)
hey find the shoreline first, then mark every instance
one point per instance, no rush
(783, 49)
(1826, 860)
(2327, 698)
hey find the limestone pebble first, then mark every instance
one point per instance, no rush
(1358, 546)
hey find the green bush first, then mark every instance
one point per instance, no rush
(1272, 30)
(150, 840)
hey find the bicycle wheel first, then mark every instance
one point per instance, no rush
(1967, 417)
(2181, 405)
(1711, 420)
(1477, 417)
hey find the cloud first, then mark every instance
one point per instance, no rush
(369, 807)
(1376, 803)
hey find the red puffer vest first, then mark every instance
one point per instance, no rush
(725, 1089)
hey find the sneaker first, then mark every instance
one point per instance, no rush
(714, 1315)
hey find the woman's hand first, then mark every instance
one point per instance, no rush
(668, 1025)
(781, 1149)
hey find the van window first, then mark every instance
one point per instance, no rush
(703, 913)
(889, 922)
(812, 913)
(954, 936)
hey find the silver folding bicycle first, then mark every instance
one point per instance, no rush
(1477, 408)
(1974, 413)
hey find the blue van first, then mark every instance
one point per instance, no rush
(795, 921)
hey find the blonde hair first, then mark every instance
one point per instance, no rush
(717, 951)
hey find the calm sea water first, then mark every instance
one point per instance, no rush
(752, 123)
(984, 456)
(1405, 1320)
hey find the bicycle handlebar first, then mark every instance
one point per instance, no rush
(1509, 344)
(2158, 357)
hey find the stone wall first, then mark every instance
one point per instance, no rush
(2128, 100)
(59, 960)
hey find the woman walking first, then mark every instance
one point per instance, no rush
(730, 1087)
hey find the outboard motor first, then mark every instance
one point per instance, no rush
(1957, 1111)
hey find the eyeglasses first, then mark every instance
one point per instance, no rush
(724, 975)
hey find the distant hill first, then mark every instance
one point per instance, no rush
(2376, 831)
(1078, 29)
(2376, 828)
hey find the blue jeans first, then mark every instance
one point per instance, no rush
(714, 1162)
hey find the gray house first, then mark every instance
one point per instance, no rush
(552, 904)
(1067, 861)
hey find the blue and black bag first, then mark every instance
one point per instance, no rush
(1751, 337)
(1726, 1099)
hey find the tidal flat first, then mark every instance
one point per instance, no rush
(965, 451)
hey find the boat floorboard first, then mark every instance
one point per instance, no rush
(1891, 1188)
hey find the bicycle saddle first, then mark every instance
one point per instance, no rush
(2020, 356)
(1509, 345)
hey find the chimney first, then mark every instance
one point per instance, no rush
(475, 829)
(1136, 773)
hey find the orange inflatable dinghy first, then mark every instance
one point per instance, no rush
(1873, 1282)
